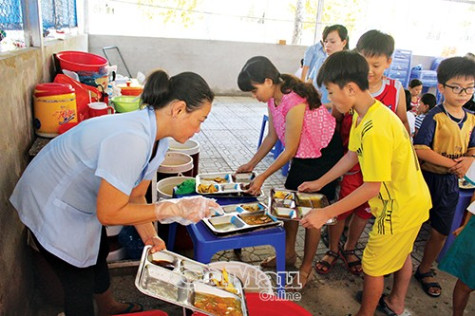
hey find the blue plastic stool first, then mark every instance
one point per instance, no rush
(206, 244)
(278, 147)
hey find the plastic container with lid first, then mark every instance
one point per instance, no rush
(130, 89)
(54, 106)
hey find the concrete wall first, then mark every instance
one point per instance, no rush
(19, 73)
(219, 62)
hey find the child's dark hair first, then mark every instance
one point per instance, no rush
(455, 67)
(429, 99)
(259, 68)
(160, 89)
(342, 33)
(375, 43)
(415, 83)
(408, 100)
(343, 67)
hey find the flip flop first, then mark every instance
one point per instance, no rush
(326, 264)
(382, 306)
(270, 262)
(426, 286)
(130, 308)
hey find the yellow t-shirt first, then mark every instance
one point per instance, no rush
(386, 155)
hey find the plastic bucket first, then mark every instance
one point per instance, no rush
(81, 61)
(254, 280)
(175, 164)
(191, 147)
(54, 105)
(165, 186)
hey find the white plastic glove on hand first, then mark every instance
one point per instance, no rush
(185, 210)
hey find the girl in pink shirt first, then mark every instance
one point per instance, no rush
(307, 131)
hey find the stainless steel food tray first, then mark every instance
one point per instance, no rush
(220, 183)
(292, 205)
(175, 279)
(238, 218)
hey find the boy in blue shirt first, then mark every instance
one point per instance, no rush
(445, 144)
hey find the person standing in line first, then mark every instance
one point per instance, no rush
(307, 130)
(393, 183)
(335, 39)
(445, 145)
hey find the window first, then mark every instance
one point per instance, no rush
(11, 25)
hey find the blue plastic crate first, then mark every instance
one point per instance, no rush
(428, 77)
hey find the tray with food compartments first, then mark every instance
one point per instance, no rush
(223, 183)
(292, 205)
(178, 280)
(238, 218)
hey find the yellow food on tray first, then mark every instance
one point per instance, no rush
(256, 219)
(203, 188)
(216, 179)
(283, 195)
(224, 283)
(314, 200)
(218, 305)
(251, 207)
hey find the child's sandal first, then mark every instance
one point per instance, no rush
(426, 286)
(354, 267)
(325, 265)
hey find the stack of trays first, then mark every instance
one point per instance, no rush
(292, 205)
(181, 281)
(242, 217)
(223, 183)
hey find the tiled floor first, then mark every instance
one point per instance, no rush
(228, 139)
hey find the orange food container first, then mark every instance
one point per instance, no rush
(129, 90)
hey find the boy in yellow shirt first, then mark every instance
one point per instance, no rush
(393, 183)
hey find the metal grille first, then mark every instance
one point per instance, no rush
(10, 15)
(58, 13)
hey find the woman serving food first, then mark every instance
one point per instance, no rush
(97, 174)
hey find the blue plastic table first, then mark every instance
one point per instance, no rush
(206, 244)
(464, 201)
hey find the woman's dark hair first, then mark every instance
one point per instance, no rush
(415, 83)
(375, 43)
(342, 33)
(343, 67)
(160, 89)
(259, 68)
(455, 67)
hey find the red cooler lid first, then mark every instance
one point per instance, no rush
(52, 88)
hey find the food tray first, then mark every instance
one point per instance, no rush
(223, 183)
(242, 217)
(181, 281)
(465, 184)
(292, 205)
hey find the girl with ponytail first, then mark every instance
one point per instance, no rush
(307, 130)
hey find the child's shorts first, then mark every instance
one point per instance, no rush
(444, 192)
(386, 254)
(349, 183)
